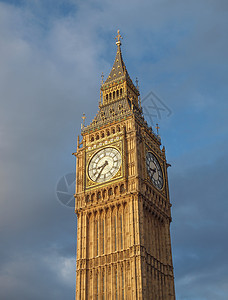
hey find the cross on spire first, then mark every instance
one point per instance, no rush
(157, 127)
(102, 78)
(118, 37)
(137, 82)
(83, 118)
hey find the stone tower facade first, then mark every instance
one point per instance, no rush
(122, 200)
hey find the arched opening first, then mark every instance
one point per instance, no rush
(92, 139)
(110, 192)
(116, 190)
(104, 194)
(98, 195)
(122, 189)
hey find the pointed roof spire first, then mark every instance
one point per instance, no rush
(119, 69)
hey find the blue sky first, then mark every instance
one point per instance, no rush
(52, 54)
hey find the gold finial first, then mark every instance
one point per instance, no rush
(83, 118)
(137, 86)
(157, 127)
(102, 78)
(118, 37)
(137, 83)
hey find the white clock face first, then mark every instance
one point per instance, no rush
(104, 164)
(154, 170)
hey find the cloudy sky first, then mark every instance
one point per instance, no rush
(52, 53)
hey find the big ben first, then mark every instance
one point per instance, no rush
(122, 199)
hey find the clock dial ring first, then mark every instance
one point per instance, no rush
(104, 165)
(154, 170)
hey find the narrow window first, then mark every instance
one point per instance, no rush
(121, 231)
(114, 95)
(115, 231)
(121, 91)
(103, 232)
(121, 188)
(110, 192)
(103, 284)
(97, 287)
(97, 225)
(117, 93)
(116, 287)
(122, 285)
(106, 96)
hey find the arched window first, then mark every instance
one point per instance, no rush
(97, 137)
(115, 233)
(106, 96)
(108, 133)
(103, 236)
(113, 130)
(122, 284)
(103, 286)
(122, 188)
(121, 231)
(116, 190)
(97, 291)
(92, 139)
(98, 195)
(93, 197)
(110, 192)
(114, 95)
(102, 135)
(117, 93)
(97, 236)
(110, 96)
(116, 289)
(121, 92)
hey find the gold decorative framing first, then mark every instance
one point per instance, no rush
(89, 155)
(148, 149)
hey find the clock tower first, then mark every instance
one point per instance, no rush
(122, 200)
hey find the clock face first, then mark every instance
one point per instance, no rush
(154, 170)
(104, 164)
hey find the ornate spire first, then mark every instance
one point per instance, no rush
(118, 70)
(118, 37)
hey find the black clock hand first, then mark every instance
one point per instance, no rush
(102, 168)
(154, 170)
